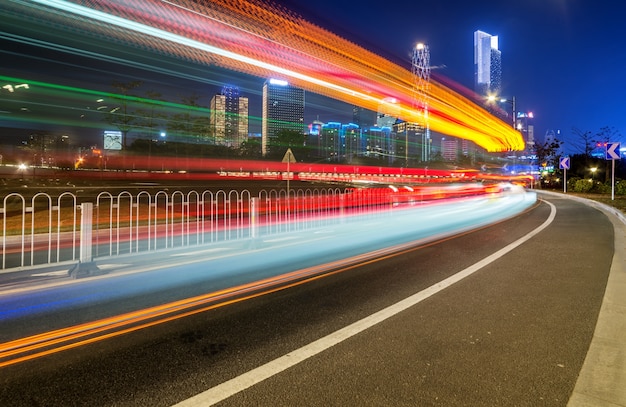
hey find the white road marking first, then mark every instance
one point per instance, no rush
(249, 379)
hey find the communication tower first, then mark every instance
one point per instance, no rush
(420, 69)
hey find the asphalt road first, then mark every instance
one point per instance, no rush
(513, 333)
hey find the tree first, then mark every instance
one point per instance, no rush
(250, 148)
(548, 152)
(122, 116)
(150, 115)
(607, 134)
(192, 124)
(285, 139)
(586, 142)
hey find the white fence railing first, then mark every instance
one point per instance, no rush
(44, 230)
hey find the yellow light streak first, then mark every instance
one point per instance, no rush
(264, 40)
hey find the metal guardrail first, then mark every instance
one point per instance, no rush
(47, 230)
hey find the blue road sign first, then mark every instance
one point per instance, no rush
(612, 151)
(564, 163)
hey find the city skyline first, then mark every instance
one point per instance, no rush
(586, 116)
(562, 60)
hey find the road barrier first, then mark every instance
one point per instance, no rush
(46, 230)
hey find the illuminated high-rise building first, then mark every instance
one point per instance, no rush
(408, 138)
(330, 141)
(524, 123)
(229, 117)
(283, 109)
(487, 64)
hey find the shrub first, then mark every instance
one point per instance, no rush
(582, 185)
(620, 187)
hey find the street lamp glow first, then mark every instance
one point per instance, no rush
(420, 45)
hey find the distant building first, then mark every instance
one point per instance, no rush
(330, 141)
(524, 123)
(352, 142)
(551, 136)
(409, 142)
(388, 112)
(487, 64)
(229, 117)
(449, 148)
(376, 142)
(283, 109)
(363, 117)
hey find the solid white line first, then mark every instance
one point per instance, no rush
(248, 379)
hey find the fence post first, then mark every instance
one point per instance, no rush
(85, 265)
(254, 213)
(342, 208)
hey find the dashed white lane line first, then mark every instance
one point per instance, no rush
(249, 379)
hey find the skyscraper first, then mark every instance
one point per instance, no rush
(283, 109)
(487, 64)
(524, 123)
(229, 117)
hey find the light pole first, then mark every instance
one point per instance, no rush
(492, 99)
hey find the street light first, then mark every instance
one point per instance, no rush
(593, 172)
(492, 99)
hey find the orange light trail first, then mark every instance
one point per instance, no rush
(265, 40)
(59, 340)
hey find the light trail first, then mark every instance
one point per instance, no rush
(60, 340)
(263, 40)
(248, 379)
(483, 213)
(47, 343)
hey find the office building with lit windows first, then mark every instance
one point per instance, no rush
(283, 109)
(410, 142)
(229, 117)
(525, 124)
(487, 64)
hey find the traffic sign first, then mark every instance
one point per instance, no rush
(612, 151)
(289, 157)
(564, 163)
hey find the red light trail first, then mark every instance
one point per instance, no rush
(265, 40)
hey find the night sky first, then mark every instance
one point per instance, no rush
(563, 60)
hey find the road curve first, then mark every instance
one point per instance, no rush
(514, 332)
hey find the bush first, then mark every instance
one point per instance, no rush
(600, 188)
(620, 187)
(580, 185)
